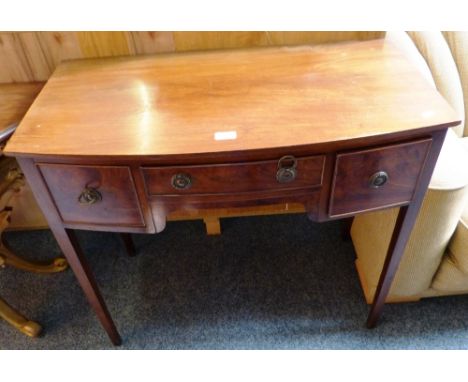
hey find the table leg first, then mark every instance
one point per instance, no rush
(346, 228)
(128, 243)
(69, 245)
(395, 251)
(404, 225)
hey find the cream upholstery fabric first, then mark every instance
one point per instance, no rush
(453, 272)
(458, 42)
(458, 248)
(435, 50)
(451, 170)
(450, 278)
(404, 43)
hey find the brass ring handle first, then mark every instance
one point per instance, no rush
(282, 163)
(378, 179)
(89, 196)
(181, 181)
(286, 169)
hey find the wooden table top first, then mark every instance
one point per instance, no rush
(222, 101)
(15, 100)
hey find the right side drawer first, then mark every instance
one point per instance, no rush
(376, 178)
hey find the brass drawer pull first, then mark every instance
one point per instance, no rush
(378, 179)
(181, 181)
(286, 169)
(89, 196)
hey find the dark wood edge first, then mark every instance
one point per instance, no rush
(240, 155)
(142, 198)
(423, 166)
(255, 194)
(325, 193)
(106, 228)
(233, 196)
(427, 138)
(230, 164)
(358, 212)
(34, 176)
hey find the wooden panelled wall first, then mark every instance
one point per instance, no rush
(33, 56)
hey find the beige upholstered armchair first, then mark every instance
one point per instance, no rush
(436, 258)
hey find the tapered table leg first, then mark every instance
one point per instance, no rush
(78, 263)
(402, 231)
(128, 243)
(346, 229)
(395, 251)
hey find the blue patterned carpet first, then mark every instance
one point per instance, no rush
(279, 282)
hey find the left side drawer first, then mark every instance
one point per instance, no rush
(93, 195)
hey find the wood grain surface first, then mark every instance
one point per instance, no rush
(233, 178)
(351, 192)
(198, 103)
(15, 100)
(119, 204)
(33, 56)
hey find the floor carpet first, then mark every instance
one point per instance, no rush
(278, 282)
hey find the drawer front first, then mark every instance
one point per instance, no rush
(380, 177)
(102, 195)
(234, 178)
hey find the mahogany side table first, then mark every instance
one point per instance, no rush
(118, 144)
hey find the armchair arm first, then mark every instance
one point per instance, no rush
(451, 171)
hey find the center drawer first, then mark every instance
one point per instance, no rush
(228, 178)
